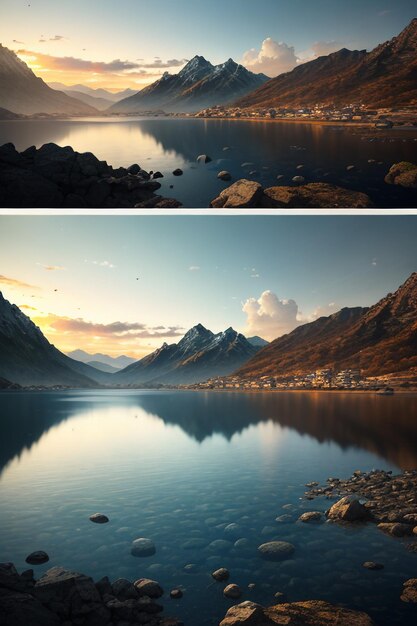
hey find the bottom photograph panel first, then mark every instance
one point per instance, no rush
(208, 420)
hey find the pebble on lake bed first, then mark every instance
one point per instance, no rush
(99, 518)
(373, 566)
(221, 574)
(310, 516)
(37, 558)
(176, 594)
(178, 172)
(276, 550)
(232, 591)
(142, 547)
(148, 587)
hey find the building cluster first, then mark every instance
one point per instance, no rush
(328, 113)
(320, 379)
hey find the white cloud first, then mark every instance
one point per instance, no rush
(194, 268)
(323, 48)
(270, 317)
(323, 311)
(272, 59)
(101, 263)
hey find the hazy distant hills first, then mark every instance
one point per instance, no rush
(387, 76)
(198, 85)
(378, 340)
(199, 355)
(27, 357)
(22, 92)
(115, 363)
(101, 99)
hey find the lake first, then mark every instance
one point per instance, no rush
(178, 467)
(269, 148)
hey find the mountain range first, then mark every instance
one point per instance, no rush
(28, 358)
(101, 99)
(199, 355)
(381, 339)
(384, 77)
(24, 93)
(198, 85)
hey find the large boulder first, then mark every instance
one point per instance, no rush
(148, 587)
(22, 609)
(348, 509)
(312, 613)
(403, 174)
(315, 196)
(242, 194)
(71, 596)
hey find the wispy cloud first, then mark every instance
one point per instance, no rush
(384, 12)
(194, 268)
(125, 330)
(14, 282)
(51, 268)
(107, 264)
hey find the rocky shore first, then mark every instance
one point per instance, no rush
(65, 598)
(250, 194)
(379, 497)
(55, 177)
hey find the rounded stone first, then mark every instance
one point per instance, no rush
(221, 574)
(203, 158)
(99, 518)
(224, 175)
(276, 550)
(176, 594)
(310, 516)
(221, 545)
(37, 558)
(148, 587)
(241, 543)
(298, 179)
(142, 547)
(232, 591)
(178, 172)
(372, 565)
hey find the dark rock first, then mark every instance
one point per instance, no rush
(409, 593)
(276, 550)
(123, 589)
(142, 547)
(224, 175)
(9, 154)
(37, 558)
(73, 201)
(312, 613)
(176, 594)
(134, 169)
(99, 518)
(403, 174)
(178, 172)
(203, 158)
(22, 609)
(373, 566)
(232, 591)
(221, 574)
(396, 529)
(314, 195)
(242, 194)
(348, 509)
(104, 587)
(24, 188)
(148, 587)
(158, 175)
(98, 193)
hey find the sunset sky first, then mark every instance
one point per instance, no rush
(130, 43)
(124, 285)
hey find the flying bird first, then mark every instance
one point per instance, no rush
(55, 289)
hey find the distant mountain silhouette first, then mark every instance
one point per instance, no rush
(385, 77)
(23, 92)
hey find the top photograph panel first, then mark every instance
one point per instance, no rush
(273, 104)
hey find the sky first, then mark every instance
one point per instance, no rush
(130, 43)
(126, 284)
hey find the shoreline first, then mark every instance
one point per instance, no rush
(410, 392)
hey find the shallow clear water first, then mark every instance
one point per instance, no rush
(271, 149)
(179, 466)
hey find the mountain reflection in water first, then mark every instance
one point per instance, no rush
(385, 426)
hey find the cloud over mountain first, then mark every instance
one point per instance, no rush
(273, 58)
(270, 317)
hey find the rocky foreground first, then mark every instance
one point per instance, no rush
(247, 194)
(55, 177)
(380, 497)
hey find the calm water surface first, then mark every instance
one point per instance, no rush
(271, 149)
(178, 467)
